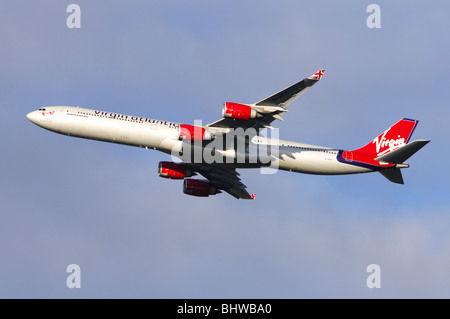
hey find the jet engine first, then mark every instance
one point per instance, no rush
(238, 111)
(195, 133)
(174, 170)
(201, 188)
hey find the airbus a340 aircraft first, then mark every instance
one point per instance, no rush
(216, 150)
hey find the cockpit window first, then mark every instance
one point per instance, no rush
(41, 109)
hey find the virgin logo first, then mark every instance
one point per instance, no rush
(381, 143)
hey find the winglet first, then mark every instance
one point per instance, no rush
(253, 196)
(317, 76)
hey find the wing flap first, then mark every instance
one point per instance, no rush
(224, 178)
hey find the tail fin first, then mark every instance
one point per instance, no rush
(390, 140)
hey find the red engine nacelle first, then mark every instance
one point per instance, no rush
(196, 187)
(194, 133)
(173, 170)
(238, 111)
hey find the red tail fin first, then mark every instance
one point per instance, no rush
(391, 139)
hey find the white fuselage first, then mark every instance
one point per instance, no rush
(165, 136)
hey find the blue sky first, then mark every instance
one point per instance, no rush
(102, 206)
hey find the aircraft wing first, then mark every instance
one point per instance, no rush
(271, 107)
(223, 178)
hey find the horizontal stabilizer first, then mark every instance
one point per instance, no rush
(403, 153)
(393, 174)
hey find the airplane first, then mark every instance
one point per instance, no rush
(218, 149)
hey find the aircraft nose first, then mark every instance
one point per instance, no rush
(33, 116)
